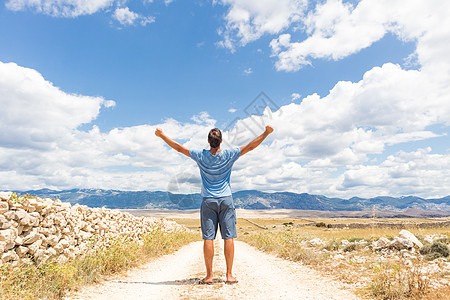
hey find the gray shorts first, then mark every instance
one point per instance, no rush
(218, 211)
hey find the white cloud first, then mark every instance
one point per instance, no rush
(406, 173)
(126, 17)
(61, 8)
(248, 20)
(312, 141)
(248, 71)
(35, 112)
(295, 96)
(336, 29)
(75, 8)
(232, 110)
(334, 145)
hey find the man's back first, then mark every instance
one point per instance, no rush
(215, 170)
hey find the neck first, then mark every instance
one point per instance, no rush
(214, 151)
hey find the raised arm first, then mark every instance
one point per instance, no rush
(255, 143)
(176, 146)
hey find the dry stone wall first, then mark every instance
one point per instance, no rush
(35, 229)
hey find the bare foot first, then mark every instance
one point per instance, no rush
(206, 281)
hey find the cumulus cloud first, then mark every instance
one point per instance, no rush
(336, 29)
(75, 8)
(126, 17)
(248, 20)
(36, 112)
(61, 8)
(334, 145)
(312, 141)
(295, 96)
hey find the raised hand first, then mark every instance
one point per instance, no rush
(269, 129)
(158, 132)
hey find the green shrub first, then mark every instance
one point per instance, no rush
(321, 224)
(354, 239)
(332, 245)
(350, 247)
(440, 248)
(444, 240)
(426, 249)
(435, 250)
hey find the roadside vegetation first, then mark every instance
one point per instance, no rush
(349, 256)
(52, 280)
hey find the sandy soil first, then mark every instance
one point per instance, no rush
(176, 276)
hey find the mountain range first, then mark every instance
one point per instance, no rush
(249, 199)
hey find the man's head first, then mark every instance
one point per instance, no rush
(214, 137)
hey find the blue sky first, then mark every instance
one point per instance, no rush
(361, 87)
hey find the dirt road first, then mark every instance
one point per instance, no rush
(261, 276)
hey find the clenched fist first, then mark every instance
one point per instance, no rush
(158, 132)
(269, 129)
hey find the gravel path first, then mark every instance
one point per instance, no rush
(261, 276)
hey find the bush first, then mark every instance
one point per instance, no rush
(321, 224)
(435, 250)
(440, 248)
(332, 244)
(350, 247)
(444, 240)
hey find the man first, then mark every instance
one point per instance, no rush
(217, 205)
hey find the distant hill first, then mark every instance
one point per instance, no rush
(243, 199)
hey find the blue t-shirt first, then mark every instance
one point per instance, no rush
(215, 170)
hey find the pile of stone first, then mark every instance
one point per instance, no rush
(34, 229)
(404, 240)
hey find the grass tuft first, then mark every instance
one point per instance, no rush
(397, 281)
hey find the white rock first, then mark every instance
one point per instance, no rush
(31, 236)
(5, 195)
(51, 251)
(18, 240)
(21, 251)
(401, 243)
(35, 246)
(316, 242)
(8, 235)
(381, 243)
(10, 255)
(4, 222)
(52, 240)
(405, 234)
(10, 215)
(4, 206)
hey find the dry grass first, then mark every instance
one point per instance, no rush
(53, 280)
(376, 278)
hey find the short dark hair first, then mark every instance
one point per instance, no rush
(214, 137)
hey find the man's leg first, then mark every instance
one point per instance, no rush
(208, 253)
(229, 257)
(209, 221)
